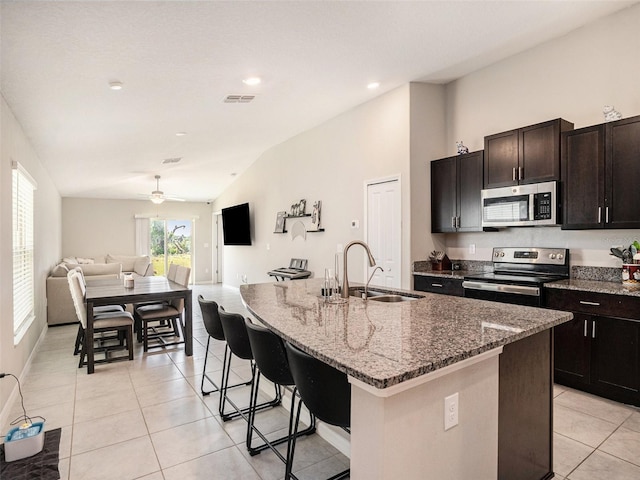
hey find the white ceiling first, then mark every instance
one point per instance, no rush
(179, 59)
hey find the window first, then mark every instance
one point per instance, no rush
(23, 249)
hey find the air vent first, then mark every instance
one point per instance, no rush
(171, 160)
(239, 98)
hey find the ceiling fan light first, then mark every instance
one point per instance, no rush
(157, 199)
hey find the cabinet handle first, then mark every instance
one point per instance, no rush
(594, 304)
(593, 331)
(585, 328)
(513, 174)
(453, 222)
(439, 285)
(606, 215)
(599, 214)
(457, 222)
(520, 175)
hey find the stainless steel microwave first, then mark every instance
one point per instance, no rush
(520, 205)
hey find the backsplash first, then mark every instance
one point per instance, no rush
(466, 265)
(600, 274)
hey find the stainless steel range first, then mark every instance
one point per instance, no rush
(518, 275)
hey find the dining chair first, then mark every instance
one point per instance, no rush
(120, 322)
(325, 391)
(96, 310)
(148, 317)
(171, 273)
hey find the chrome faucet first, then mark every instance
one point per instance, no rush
(366, 287)
(345, 277)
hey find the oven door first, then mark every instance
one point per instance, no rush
(504, 293)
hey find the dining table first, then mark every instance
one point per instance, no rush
(144, 290)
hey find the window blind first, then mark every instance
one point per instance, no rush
(23, 187)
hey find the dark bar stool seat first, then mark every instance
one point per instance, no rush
(271, 360)
(326, 393)
(237, 338)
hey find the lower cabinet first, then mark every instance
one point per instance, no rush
(436, 284)
(599, 351)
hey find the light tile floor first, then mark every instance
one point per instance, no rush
(147, 419)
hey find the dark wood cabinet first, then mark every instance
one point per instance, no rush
(597, 165)
(437, 284)
(525, 155)
(599, 350)
(456, 183)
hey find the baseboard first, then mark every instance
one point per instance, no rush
(15, 392)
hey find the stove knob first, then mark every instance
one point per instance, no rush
(552, 256)
(502, 254)
(560, 256)
(496, 254)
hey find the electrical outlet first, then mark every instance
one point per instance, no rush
(451, 411)
(472, 249)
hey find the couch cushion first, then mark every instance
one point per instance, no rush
(131, 263)
(60, 270)
(101, 269)
(128, 261)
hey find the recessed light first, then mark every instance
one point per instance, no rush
(115, 85)
(373, 85)
(251, 81)
(180, 134)
(234, 174)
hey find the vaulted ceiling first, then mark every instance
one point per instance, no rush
(178, 61)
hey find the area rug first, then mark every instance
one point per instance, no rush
(42, 466)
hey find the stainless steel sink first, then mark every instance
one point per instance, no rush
(391, 298)
(381, 296)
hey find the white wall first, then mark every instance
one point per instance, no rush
(95, 227)
(571, 77)
(15, 146)
(329, 163)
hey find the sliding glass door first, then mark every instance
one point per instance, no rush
(171, 242)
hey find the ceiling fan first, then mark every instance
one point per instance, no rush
(158, 196)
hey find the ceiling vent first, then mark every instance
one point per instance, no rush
(171, 160)
(239, 98)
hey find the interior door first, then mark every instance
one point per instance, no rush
(384, 222)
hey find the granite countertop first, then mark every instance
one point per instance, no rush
(454, 274)
(611, 288)
(383, 344)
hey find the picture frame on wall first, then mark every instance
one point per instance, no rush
(280, 222)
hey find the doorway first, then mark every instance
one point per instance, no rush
(384, 230)
(171, 242)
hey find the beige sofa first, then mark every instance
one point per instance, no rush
(60, 308)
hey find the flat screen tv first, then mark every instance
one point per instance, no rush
(236, 227)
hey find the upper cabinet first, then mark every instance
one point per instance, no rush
(455, 193)
(599, 164)
(525, 155)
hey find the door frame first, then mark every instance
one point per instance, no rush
(374, 181)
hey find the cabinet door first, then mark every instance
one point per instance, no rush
(623, 171)
(470, 170)
(501, 159)
(572, 351)
(615, 360)
(583, 178)
(443, 195)
(539, 152)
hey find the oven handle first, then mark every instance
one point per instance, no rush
(497, 287)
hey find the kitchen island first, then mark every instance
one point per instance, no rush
(404, 358)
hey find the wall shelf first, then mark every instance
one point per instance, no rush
(308, 231)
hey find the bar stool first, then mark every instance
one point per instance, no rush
(326, 393)
(212, 324)
(271, 360)
(237, 338)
